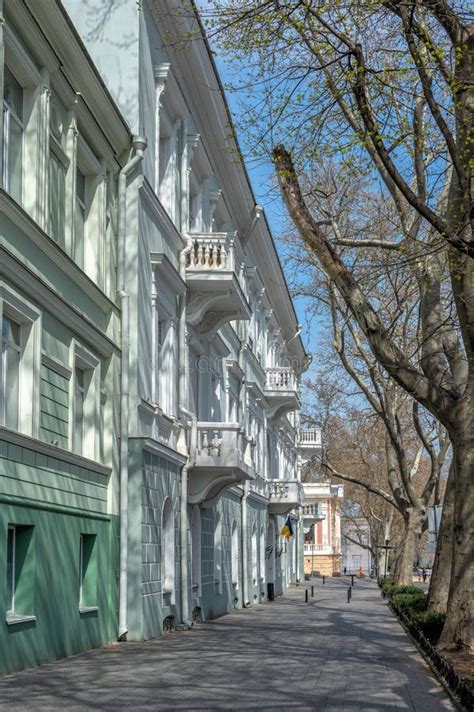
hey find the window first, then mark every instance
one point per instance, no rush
(168, 548)
(79, 218)
(79, 398)
(20, 574)
(167, 366)
(235, 556)
(87, 572)
(20, 341)
(57, 197)
(262, 554)
(254, 555)
(196, 548)
(12, 135)
(10, 373)
(85, 404)
(218, 551)
(11, 570)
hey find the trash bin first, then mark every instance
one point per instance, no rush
(270, 591)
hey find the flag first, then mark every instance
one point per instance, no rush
(287, 530)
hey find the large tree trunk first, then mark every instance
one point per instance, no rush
(441, 575)
(458, 630)
(414, 520)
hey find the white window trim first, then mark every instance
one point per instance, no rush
(23, 311)
(168, 553)
(11, 611)
(218, 550)
(85, 360)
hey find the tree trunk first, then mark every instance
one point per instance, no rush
(458, 630)
(441, 575)
(415, 517)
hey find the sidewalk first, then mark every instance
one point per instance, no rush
(287, 655)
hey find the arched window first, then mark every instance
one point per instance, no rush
(218, 549)
(168, 547)
(235, 555)
(254, 555)
(196, 548)
(262, 554)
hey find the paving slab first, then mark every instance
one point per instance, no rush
(326, 654)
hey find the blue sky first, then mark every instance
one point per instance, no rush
(268, 195)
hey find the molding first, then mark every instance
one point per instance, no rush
(55, 366)
(163, 220)
(16, 618)
(19, 60)
(58, 453)
(54, 304)
(50, 507)
(167, 272)
(162, 450)
(54, 252)
(258, 497)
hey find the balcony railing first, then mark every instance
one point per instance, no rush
(218, 440)
(281, 379)
(318, 549)
(285, 495)
(212, 251)
(312, 510)
(310, 437)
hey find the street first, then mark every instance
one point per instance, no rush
(326, 654)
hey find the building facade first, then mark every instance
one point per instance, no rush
(62, 139)
(322, 528)
(151, 357)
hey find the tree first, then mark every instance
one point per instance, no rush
(384, 86)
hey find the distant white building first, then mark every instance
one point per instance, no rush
(355, 540)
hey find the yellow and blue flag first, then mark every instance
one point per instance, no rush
(287, 530)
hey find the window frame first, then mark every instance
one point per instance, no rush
(84, 360)
(22, 311)
(11, 609)
(89, 571)
(9, 113)
(22, 575)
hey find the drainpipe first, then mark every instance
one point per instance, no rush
(297, 550)
(139, 145)
(243, 511)
(182, 394)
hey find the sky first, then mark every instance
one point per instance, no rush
(267, 194)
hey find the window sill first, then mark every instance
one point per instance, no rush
(88, 609)
(15, 618)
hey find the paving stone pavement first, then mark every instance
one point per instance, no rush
(287, 655)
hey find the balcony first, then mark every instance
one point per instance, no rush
(214, 280)
(285, 495)
(318, 549)
(281, 391)
(223, 456)
(310, 439)
(312, 513)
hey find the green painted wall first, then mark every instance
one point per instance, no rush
(59, 629)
